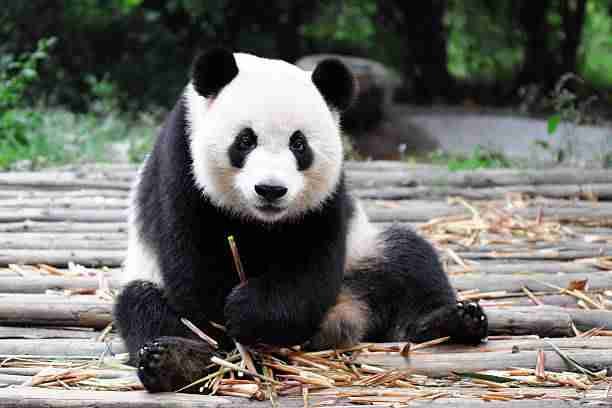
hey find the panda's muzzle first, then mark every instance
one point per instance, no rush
(270, 193)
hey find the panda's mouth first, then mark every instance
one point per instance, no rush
(270, 209)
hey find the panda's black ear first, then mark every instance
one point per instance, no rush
(212, 70)
(335, 82)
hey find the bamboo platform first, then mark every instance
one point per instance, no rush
(534, 247)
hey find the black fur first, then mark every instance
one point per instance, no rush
(289, 288)
(168, 364)
(213, 70)
(243, 144)
(409, 296)
(304, 156)
(335, 82)
(295, 272)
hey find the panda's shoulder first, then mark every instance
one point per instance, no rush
(161, 182)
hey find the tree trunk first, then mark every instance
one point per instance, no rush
(538, 64)
(572, 14)
(288, 38)
(421, 26)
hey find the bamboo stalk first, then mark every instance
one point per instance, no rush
(58, 347)
(41, 284)
(442, 364)
(58, 214)
(389, 192)
(77, 203)
(516, 283)
(78, 313)
(51, 243)
(479, 179)
(63, 226)
(53, 398)
(546, 321)
(8, 332)
(62, 257)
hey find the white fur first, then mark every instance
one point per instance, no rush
(141, 261)
(275, 99)
(363, 240)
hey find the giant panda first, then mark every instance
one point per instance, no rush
(253, 149)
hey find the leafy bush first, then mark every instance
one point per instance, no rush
(479, 158)
(571, 102)
(596, 48)
(17, 121)
(62, 137)
(483, 42)
(41, 136)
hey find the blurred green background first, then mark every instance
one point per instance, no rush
(77, 74)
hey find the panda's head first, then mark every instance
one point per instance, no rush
(264, 135)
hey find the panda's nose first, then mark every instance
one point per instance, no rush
(270, 192)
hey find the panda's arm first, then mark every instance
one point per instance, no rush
(286, 307)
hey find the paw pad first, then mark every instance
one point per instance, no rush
(152, 357)
(169, 363)
(473, 322)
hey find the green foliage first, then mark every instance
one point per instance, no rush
(17, 73)
(141, 135)
(129, 42)
(479, 158)
(36, 137)
(569, 106)
(553, 123)
(115, 58)
(350, 21)
(483, 40)
(17, 122)
(105, 95)
(596, 48)
(570, 111)
(63, 137)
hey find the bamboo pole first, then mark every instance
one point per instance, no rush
(62, 257)
(543, 267)
(33, 397)
(443, 364)
(67, 348)
(480, 178)
(14, 332)
(529, 320)
(41, 284)
(515, 283)
(540, 320)
(62, 312)
(19, 242)
(63, 226)
(601, 191)
(58, 214)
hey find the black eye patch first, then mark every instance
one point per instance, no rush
(244, 143)
(301, 150)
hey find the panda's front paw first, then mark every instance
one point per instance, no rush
(243, 316)
(167, 364)
(473, 323)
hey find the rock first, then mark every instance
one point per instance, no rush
(374, 130)
(370, 74)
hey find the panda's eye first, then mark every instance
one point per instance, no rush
(246, 139)
(297, 143)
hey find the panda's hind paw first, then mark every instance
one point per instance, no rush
(473, 325)
(167, 364)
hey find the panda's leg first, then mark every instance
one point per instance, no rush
(344, 325)
(166, 353)
(408, 295)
